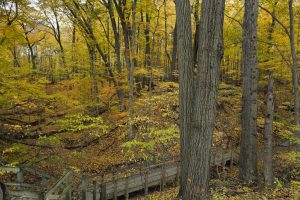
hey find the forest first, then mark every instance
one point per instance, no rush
(149, 99)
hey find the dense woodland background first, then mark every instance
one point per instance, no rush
(94, 85)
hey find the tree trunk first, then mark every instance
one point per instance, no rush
(294, 69)
(174, 54)
(248, 147)
(147, 37)
(120, 91)
(122, 12)
(15, 56)
(271, 31)
(210, 54)
(32, 57)
(74, 67)
(166, 40)
(268, 134)
(185, 63)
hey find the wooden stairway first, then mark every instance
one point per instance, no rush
(73, 185)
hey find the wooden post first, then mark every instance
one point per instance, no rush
(114, 185)
(146, 182)
(231, 156)
(69, 185)
(126, 188)
(163, 177)
(103, 191)
(94, 190)
(84, 187)
(44, 183)
(177, 174)
(20, 179)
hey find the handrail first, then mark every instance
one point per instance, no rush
(10, 169)
(58, 183)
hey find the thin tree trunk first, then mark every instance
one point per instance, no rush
(74, 67)
(268, 134)
(32, 57)
(174, 54)
(166, 40)
(210, 54)
(248, 147)
(271, 31)
(15, 56)
(120, 91)
(294, 69)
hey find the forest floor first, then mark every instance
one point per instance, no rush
(156, 140)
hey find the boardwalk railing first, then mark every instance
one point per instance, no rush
(62, 189)
(19, 188)
(112, 186)
(94, 188)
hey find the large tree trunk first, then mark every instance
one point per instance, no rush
(185, 63)
(268, 134)
(210, 53)
(294, 69)
(248, 148)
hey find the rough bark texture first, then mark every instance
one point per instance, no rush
(268, 134)
(210, 53)
(294, 69)
(248, 147)
(185, 65)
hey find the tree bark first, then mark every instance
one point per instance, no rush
(294, 69)
(120, 91)
(210, 53)
(127, 35)
(248, 147)
(185, 63)
(268, 134)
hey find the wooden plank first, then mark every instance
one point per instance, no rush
(20, 185)
(20, 179)
(10, 169)
(25, 194)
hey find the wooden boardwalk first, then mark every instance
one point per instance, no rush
(112, 186)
